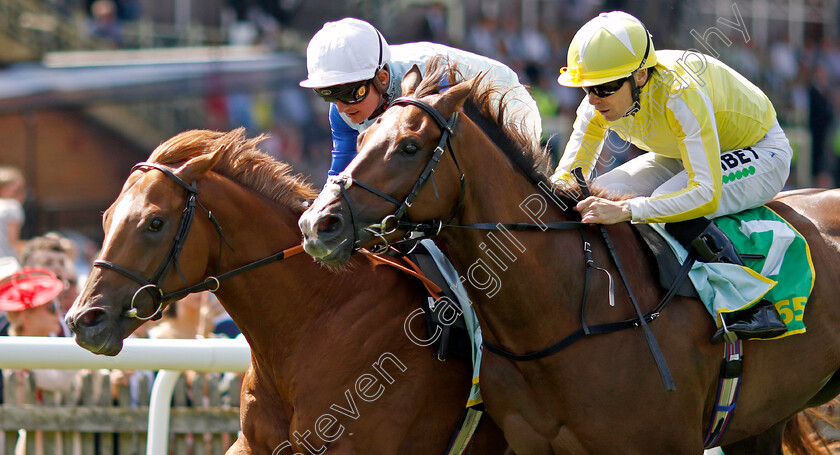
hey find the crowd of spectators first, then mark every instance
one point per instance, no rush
(798, 78)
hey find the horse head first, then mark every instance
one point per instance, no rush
(402, 173)
(157, 234)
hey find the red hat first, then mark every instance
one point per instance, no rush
(28, 288)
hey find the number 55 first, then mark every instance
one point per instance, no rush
(791, 311)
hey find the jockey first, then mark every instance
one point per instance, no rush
(351, 66)
(715, 145)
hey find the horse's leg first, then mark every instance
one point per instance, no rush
(767, 443)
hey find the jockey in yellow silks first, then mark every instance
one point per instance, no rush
(715, 146)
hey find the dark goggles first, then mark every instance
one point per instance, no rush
(607, 88)
(352, 93)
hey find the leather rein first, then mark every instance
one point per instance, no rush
(211, 283)
(396, 221)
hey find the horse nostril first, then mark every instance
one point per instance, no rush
(329, 224)
(91, 318)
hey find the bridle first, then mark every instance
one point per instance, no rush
(152, 285)
(396, 220)
(211, 283)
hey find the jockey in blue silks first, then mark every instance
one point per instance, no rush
(351, 65)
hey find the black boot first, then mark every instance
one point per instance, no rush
(758, 321)
(712, 244)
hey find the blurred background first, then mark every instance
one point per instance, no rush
(88, 88)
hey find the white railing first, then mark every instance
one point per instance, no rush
(171, 357)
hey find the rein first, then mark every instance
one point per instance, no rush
(395, 221)
(211, 283)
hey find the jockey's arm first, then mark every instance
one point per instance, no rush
(693, 122)
(584, 146)
(344, 142)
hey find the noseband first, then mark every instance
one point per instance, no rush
(395, 221)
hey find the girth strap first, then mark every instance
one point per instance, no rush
(727, 393)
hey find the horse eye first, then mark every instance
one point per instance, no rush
(410, 149)
(156, 225)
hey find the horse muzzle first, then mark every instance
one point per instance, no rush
(324, 231)
(98, 329)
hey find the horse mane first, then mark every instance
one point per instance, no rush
(240, 160)
(501, 124)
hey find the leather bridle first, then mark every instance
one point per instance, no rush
(152, 285)
(396, 220)
(211, 283)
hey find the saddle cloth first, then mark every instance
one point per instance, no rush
(436, 266)
(784, 274)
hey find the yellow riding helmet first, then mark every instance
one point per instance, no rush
(608, 47)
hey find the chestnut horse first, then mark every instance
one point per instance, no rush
(601, 394)
(331, 366)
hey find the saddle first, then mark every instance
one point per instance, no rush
(667, 262)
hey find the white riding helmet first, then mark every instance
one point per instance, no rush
(349, 50)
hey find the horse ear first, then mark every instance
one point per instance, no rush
(411, 80)
(214, 146)
(197, 166)
(453, 98)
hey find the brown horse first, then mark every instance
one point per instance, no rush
(602, 394)
(332, 368)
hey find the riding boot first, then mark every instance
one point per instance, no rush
(713, 245)
(758, 321)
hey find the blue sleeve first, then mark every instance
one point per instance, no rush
(344, 142)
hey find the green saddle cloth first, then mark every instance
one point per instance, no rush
(785, 275)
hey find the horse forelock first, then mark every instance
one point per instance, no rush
(239, 159)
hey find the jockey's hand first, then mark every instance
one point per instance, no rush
(603, 211)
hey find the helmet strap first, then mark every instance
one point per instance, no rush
(636, 91)
(379, 109)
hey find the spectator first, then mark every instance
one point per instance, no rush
(434, 27)
(820, 120)
(483, 38)
(55, 253)
(104, 24)
(29, 299)
(12, 195)
(195, 316)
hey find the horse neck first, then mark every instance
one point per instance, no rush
(289, 306)
(521, 263)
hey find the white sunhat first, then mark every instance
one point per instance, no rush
(349, 50)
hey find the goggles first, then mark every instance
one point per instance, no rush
(607, 88)
(352, 93)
